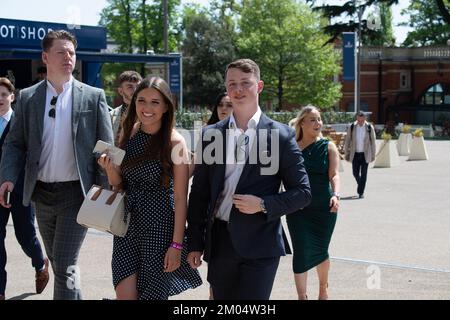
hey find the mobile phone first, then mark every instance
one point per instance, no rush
(7, 197)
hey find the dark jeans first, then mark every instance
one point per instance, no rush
(233, 277)
(360, 171)
(23, 220)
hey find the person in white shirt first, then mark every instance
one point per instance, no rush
(360, 147)
(56, 125)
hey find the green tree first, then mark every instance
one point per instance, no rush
(429, 27)
(349, 8)
(286, 39)
(207, 49)
(384, 35)
(137, 25)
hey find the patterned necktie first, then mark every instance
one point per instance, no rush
(241, 150)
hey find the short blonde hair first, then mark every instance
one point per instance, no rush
(301, 115)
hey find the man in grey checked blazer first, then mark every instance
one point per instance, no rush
(57, 124)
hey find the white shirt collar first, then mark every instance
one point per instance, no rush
(252, 123)
(66, 86)
(7, 116)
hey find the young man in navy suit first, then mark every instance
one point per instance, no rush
(22, 216)
(235, 205)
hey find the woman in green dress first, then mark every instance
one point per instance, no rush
(311, 228)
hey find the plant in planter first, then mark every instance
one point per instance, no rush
(404, 141)
(418, 148)
(418, 133)
(406, 128)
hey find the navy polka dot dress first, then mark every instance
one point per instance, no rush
(150, 232)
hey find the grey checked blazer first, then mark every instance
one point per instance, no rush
(90, 122)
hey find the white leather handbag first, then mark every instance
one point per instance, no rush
(104, 210)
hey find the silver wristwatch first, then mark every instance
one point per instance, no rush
(263, 206)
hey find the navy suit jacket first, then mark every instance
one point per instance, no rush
(257, 235)
(18, 187)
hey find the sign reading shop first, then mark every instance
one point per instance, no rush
(29, 34)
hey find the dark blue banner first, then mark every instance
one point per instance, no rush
(348, 51)
(174, 75)
(23, 34)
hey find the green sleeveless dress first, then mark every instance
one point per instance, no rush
(311, 228)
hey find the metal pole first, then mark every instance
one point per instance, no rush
(358, 75)
(166, 31)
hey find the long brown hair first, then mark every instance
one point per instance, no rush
(159, 146)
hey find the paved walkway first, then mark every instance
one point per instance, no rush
(394, 244)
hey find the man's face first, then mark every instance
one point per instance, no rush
(360, 119)
(6, 98)
(126, 91)
(60, 58)
(242, 88)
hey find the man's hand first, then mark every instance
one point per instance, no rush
(6, 186)
(194, 259)
(247, 203)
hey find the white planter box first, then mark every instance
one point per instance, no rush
(403, 144)
(387, 156)
(418, 149)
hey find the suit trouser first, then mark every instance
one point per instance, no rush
(360, 167)
(57, 206)
(23, 221)
(233, 277)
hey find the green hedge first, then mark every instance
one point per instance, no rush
(185, 119)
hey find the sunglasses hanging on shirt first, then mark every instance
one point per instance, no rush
(52, 111)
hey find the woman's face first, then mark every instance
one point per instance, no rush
(224, 108)
(150, 107)
(312, 124)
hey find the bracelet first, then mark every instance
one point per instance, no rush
(176, 245)
(336, 194)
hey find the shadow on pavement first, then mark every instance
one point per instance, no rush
(22, 296)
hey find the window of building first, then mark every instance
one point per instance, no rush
(437, 94)
(405, 80)
(364, 106)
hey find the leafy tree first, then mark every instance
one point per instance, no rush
(348, 9)
(444, 7)
(286, 40)
(207, 49)
(384, 35)
(428, 24)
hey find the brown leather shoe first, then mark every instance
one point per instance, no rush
(42, 278)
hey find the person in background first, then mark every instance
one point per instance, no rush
(41, 74)
(222, 108)
(22, 216)
(128, 81)
(149, 263)
(311, 228)
(360, 149)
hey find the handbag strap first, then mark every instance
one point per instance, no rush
(97, 194)
(111, 198)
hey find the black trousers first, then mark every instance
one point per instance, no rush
(360, 167)
(233, 277)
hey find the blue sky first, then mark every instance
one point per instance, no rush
(86, 12)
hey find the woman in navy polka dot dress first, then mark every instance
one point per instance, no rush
(150, 261)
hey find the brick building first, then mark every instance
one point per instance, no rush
(409, 85)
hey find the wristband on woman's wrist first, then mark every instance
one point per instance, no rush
(336, 194)
(176, 245)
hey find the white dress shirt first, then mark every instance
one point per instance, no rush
(360, 137)
(234, 167)
(57, 162)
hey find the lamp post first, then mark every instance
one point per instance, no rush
(357, 85)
